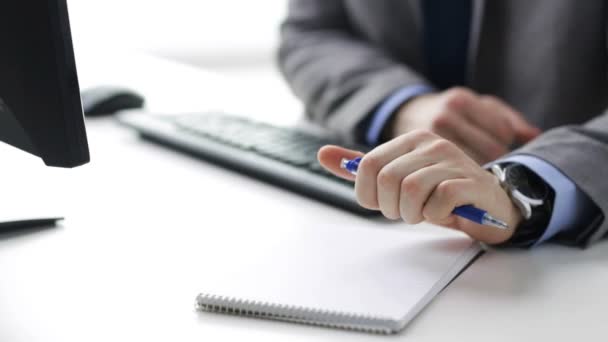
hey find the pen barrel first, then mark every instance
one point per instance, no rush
(471, 213)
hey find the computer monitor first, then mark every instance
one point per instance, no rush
(40, 108)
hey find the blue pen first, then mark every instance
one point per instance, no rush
(468, 212)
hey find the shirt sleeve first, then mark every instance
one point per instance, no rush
(572, 208)
(387, 108)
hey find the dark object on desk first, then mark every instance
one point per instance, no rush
(101, 101)
(11, 227)
(40, 109)
(282, 156)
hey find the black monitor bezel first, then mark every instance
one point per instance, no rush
(40, 89)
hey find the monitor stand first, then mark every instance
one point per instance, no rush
(17, 226)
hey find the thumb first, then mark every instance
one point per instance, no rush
(524, 131)
(330, 157)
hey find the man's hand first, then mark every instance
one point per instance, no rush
(420, 176)
(483, 126)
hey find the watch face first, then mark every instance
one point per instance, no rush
(526, 181)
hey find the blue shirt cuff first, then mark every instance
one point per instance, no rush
(571, 206)
(388, 108)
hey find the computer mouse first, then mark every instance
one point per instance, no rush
(108, 100)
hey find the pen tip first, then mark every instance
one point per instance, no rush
(491, 221)
(502, 225)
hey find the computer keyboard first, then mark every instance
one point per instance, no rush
(282, 156)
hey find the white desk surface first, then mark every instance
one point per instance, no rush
(123, 266)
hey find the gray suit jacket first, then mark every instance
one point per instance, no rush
(546, 58)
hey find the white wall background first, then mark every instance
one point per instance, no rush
(202, 32)
(234, 37)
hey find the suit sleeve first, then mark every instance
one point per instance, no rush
(581, 153)
(340, 76)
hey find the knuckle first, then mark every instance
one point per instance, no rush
(441, 122)
(441, 147)
(457, 95)
(410, 187)
(447, 189)
(421, 134)
(387, 178)
(370, 163)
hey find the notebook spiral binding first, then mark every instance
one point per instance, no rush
(296, 314)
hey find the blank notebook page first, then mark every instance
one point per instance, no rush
(388, 271)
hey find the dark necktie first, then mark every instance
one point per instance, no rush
(446, 38)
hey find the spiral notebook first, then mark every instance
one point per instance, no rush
(365, 279)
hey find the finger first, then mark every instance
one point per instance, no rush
(392, 174)
(458, 128)
(492, 116)
(451, 135)
(330, 157)
(446, 196)
(523, 129)
(366, 187)
(479, 141)
(472, 154)
(417, 187)
(388, 192)
(451, 194)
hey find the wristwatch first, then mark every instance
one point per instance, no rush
(531, 195)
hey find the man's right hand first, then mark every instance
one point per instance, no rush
(483, 126)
